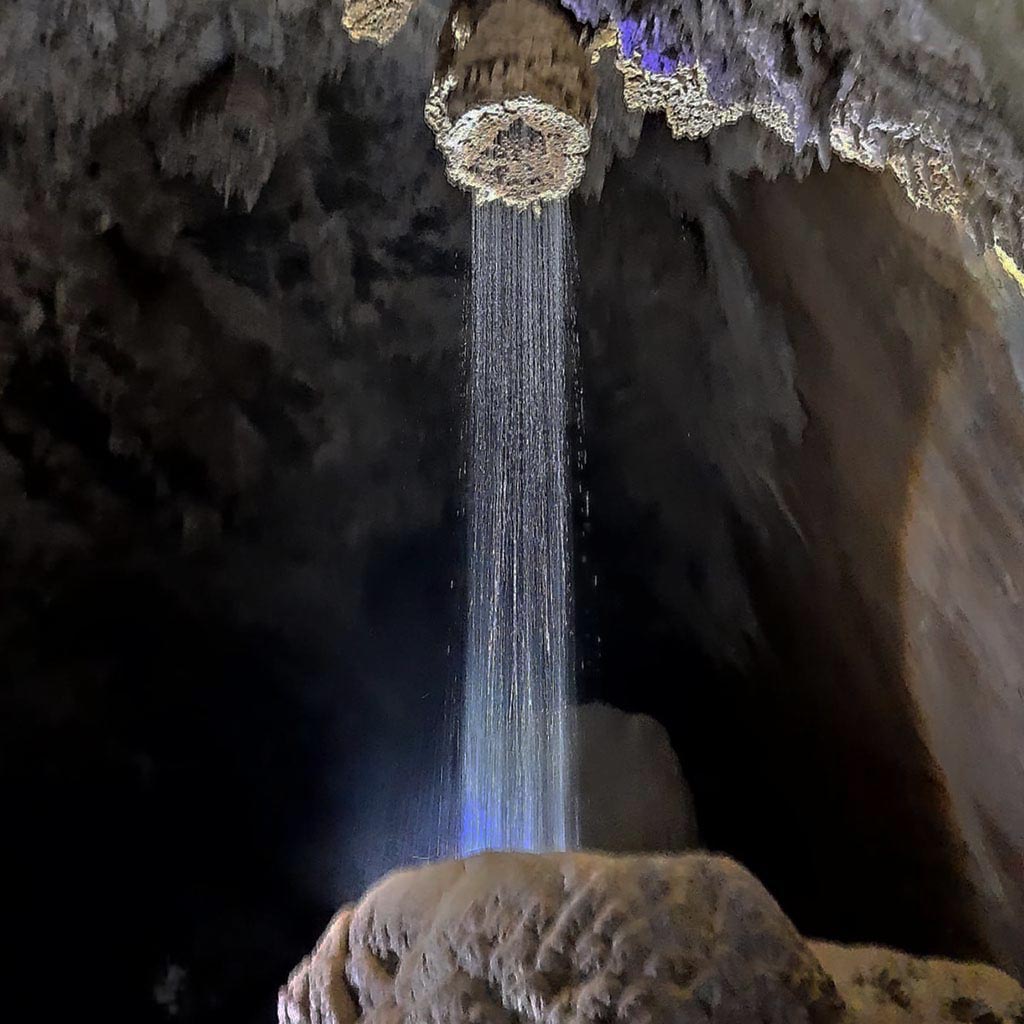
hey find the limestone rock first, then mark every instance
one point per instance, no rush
(887, 987)
(638, 800)
(513, 101)
(508, 937)
(377, 20)
(567, 937)
(922, 98)
(316, 990)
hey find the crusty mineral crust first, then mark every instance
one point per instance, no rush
(520, 152)
(513, 101)
(567, 937)
(683, 97)
(376, 20)
(890, 89)
(921, 161)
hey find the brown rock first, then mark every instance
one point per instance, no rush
(513, 101)
(376, 20)
(560, 937)
(316, 992)
(581, 937)
(638, 800)
(886, 987)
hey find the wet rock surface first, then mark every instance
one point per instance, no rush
(571, 937)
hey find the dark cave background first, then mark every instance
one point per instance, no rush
(231, 593)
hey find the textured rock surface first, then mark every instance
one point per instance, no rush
(377, 20)
(633, 797)
(513, 101)
(317, 991)
(927, 95)
(922, 87)
(882, 986)
(567, 937)
(962, 601)
(70, 68)
(230, 133)
(579, 937)
(781, 528)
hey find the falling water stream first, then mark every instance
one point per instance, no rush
(516, 749)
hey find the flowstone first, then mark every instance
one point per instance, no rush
(586, 937)
(513, 101)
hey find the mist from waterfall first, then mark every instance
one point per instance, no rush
(516, 746)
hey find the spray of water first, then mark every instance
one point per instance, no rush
(516, 750)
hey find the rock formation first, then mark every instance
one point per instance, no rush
(899, 612)
(513, 101)
(376, 20)
(583, 937)
(632, 795)
(228, 132)
(927, 96)
(882, 986)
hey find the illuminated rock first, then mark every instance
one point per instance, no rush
(883, 986)
(924, 100)
(566, 937)
(317, 989)
(921, 158)
(582, 937)
(513, 101)
(682, 96)
(376, 20)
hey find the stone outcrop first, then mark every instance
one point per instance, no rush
(883, 986)
(376, 20)
(513, 101)
(632, 794)
(963, 643)
(868, 440)
(70, 69)
(915, 88)
(583, 937)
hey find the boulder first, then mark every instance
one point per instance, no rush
(638, 800)
(883, 986)
(505, 937)
(514, 937)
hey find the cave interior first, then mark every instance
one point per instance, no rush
(231, 363)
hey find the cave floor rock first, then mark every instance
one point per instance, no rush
(506, 937)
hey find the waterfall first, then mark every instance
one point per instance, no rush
(516, 749)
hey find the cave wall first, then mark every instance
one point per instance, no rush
(962, 605)
(214, 423)
(796, 335)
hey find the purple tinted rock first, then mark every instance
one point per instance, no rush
(638, 37)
